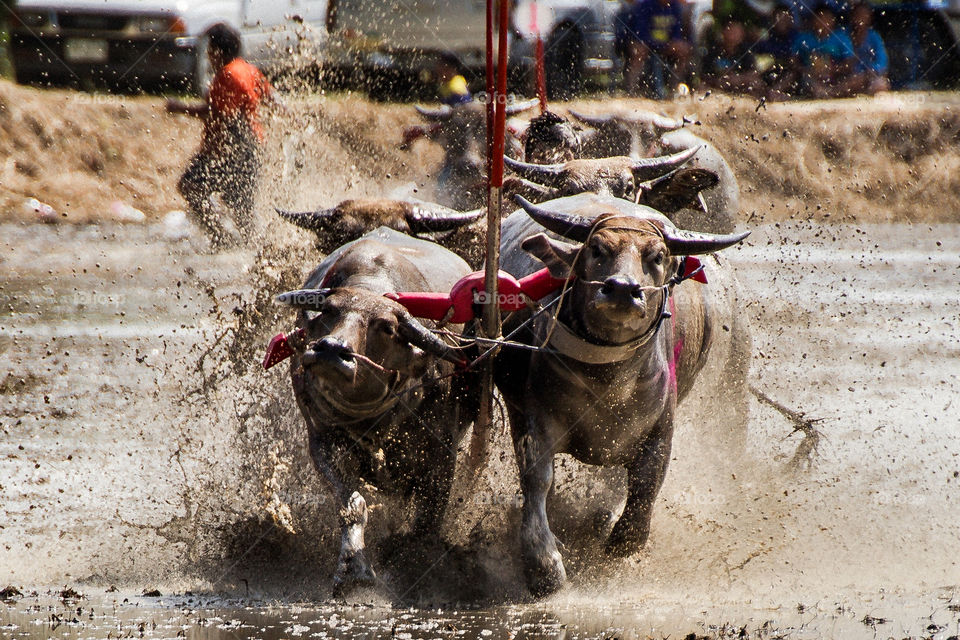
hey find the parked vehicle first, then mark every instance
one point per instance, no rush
(391, 39)
(145, 43)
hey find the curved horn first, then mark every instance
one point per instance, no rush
(441, 113)
(312, 220)
(688, 243)
(593, 121)
(567, 225)
(542, 173)
(310, 299)
(427, 217)
(418, 335)
(520, 106)
(649, 168)
(665, 123)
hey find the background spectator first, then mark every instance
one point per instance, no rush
(825, 53)
(871, 65)
(729, 64)
(452, 86)
(775, 57)
(658, 44)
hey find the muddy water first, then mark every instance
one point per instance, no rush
(128, 458)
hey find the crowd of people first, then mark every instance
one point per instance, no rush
(822, 49)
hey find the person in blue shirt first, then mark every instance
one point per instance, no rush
(729, 63)
(825, 54)
(775, 57)
(656, 34)
(871, 65)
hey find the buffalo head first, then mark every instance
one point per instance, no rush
(359, 347)
(551, 138)
(621, 264)
(352, 218)
(629, 133)
(619, 176)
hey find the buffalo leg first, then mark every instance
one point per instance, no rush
(645, 477)
(352, 566)
(543, 566)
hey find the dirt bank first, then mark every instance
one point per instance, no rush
(889, 158)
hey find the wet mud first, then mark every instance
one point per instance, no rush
(143, 449)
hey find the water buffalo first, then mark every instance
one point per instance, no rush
(352, 218)
(722, 201)
(657, 182)
(373, 385)
(632, 133)
(625, 347)
(461, 131)
(550, 139)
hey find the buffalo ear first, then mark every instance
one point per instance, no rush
(557, 256)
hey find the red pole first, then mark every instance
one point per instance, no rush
(541, 72)
(491, 85)
(500, 98)
(490, 319)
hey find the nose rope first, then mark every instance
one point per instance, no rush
(601, 223)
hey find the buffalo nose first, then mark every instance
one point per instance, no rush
(334, 347)
(622, 286)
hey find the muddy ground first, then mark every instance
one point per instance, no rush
(143, 449)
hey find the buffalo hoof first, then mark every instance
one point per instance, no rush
(352, 572)
(543, 569)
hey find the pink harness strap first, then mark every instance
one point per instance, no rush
(677, 346)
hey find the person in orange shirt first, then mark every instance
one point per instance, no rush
(228, 161)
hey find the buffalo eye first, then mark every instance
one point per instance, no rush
(596, 252)
(658, 259)
(387, 328)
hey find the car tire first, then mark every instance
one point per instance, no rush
(563, 63)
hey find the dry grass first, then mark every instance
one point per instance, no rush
(890, 158)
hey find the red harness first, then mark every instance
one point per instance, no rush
(459, 305)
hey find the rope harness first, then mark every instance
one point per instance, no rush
(553, 335)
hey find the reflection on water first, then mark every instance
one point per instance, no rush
(111, 615)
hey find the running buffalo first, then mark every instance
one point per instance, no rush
(461, 131)
(374, 385)
(628, 343)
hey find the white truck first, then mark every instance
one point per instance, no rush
(137, 43)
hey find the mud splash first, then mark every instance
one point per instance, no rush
(143, 447)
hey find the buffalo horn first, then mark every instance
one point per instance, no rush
(309, 299)
(312, 220)
(418, 335)
(514, 108)
(649, 168)
(567, 225)
(593, 121)
(429, 217)
(441, 113)
(688, 243)
(542, 173)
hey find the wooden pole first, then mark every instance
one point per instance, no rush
(490, 310)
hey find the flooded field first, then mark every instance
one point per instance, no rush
(143, 449)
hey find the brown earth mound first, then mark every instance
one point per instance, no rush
(892, 157)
